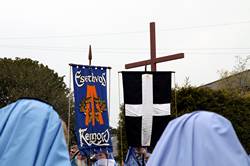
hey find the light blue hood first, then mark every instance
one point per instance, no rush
(31, 134)
(199, 139)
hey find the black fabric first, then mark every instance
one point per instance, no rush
(132, 90)
(133, 130)
(132, 87)
(159, 125)
(161, 88)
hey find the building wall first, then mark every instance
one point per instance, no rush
(237, 81)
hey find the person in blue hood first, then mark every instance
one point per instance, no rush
(199, 139)
(31, 134)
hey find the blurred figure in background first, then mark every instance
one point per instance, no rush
(137, 156)
(76, 158)
(73, 151)
(104, 159)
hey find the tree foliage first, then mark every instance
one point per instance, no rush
(27, 78)
(121, 136)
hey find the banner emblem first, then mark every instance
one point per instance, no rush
(93, 107)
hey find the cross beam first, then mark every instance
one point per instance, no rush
(157, 60)
(153, 59)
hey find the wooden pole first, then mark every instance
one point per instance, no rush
(69, 106)
(90, 55)
(152, 46)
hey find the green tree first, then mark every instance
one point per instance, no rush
(121, 136)
(27, 78)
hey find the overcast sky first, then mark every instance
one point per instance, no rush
(211, 33)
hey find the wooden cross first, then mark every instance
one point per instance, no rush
(153, 59)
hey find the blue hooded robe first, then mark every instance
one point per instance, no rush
(199, 139)
(31, 134)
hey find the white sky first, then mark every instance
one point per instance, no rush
(211, 33)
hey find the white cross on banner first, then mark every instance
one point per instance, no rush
(146, 109)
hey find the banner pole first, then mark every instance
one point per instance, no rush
(69, 107)
(175, 97)
(121, 123)
(109, 93)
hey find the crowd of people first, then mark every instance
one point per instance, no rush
(99, 159)
(31, 134)
(136, 156)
